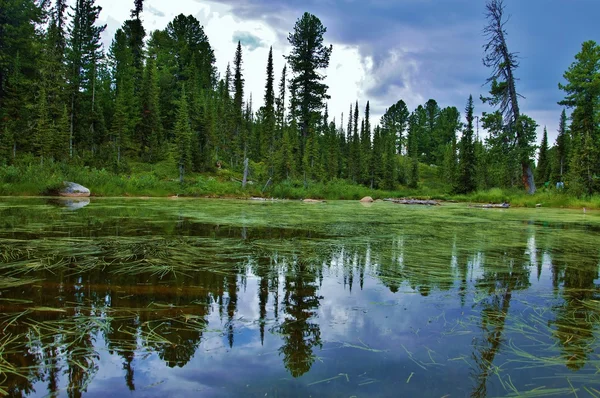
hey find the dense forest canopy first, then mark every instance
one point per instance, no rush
(157, 96)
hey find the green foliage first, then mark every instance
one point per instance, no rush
(307, 57)
(467, 162)
(583, 96)
(543, 165)
(156, 108)
(183, 137)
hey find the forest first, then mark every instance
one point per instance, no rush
(154, 107)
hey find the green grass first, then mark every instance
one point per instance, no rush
(162, 180)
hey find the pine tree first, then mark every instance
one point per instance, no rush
(466, 176)
(394, 122)
(19, 65)
(44, 131)
(543, 165)
(429, 138)
(307, 57)
(377, 159)
(416, 127)
(450, 163)
(183, 136)
(84, 54)
(582, 92)
(268, 136)
(562, 148)
(365, 148)
(238, 102)
(120, 132)
(150, 129)
(281, 103)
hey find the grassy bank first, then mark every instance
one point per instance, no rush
(161, 180)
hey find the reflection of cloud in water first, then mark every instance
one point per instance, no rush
(382, 303)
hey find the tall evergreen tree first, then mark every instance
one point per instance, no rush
(365, 148)
(183, 136)
(466, 179)
(562, 148)
(238, 103)
(151, 128)
(582, 91)
(307, 57)
(394, 122)
(543, 165)
(281, 103)
(84, 54)
(268, 136)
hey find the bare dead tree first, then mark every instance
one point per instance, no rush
(503, 90)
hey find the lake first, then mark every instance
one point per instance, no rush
(223, 298)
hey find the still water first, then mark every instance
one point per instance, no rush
(211, 298)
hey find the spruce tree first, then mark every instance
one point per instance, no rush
(543, 165)
(44, 132)
(84, 53)
(307, 57)
(150, 129)
(582, 91)
(238, 102)
(183, 136)
(268, 136)
(281, 103)
(562, 148)
(365, 148)
(394, 122)
(466, 175)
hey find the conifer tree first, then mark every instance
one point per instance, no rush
(269, 124)
(582, 91)
(394, 122)
(562, 148)
(281, 103)
(238, 103)
(44, 132)
(543, 165)
(365, 148)
(183, 136)
(466, 177)
(84, 53)
(308, 56)
(150, 129)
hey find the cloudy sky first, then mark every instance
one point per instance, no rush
(386, 50)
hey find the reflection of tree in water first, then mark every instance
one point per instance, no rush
(300, 332)
(425, 263)
(497, 284)
(575, 321)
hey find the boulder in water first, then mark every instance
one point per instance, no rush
(367, 199)
(73, 190)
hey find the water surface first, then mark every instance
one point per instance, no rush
(211, 298)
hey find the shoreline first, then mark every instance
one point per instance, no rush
(264, 199)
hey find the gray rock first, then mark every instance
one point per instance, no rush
(73, 204)
(73, 190)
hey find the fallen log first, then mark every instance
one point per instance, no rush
(414, 202)
(492, 206)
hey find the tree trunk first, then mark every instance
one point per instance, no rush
(71, 129)
(245, 179)
(528, 180)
